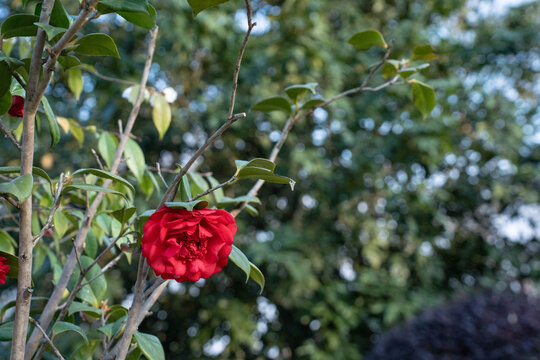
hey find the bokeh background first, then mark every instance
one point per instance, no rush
(391, 213)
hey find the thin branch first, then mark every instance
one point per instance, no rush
(77, 256)
(69, 266)
(106, 268)
(56, 203)
(97, 159)
(10, 200)
(47, 339)
(108, 78)
(158, 167)
(232, 179)
(10, 136)
(19, 79)
(153, 287)
(251, 25)
(171, 191)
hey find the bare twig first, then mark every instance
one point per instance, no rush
(158, 167)
(153, 287)
(171, 191)
(232, 179)
(56, 203)
(97, 159)
(104, 269)
(10, 136)
(10, 200)
(55, 298)
(108, 78)
(297, 116)
(19, 80)
(47, 339)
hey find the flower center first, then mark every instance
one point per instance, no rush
(191, 248)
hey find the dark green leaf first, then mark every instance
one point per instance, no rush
(390, 69)
(20, 187)
(424, 97)
(5, 102)
(75, 82)
(5, 78)
(6, 331)
(312, 103)
(298, 91)
(197, 204)
(54, 129)
(19, 25)
(87, 187)
(423, 52)
(59, 15)
(143, 19)
(123, 215)
(68, 61)
(106, 175)
(35, 171)
(87, 309)
(251, 210)
(51, 31)
(366, 39)
(62, 326)
(199, 5)
(240, 260)
(150, 346)
(273, 104)
(256, 275)
(127, 5)
(97, 45)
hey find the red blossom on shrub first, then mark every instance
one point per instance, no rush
(4, 268)
(17, 106)
(188, 245)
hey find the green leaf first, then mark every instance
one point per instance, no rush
(7, 243)
(19, 25)
(150, 346)
(407, 72)
(127, 5)
(112, 328)
(273, 104)
(218, 194)
(13, 263)
(61, 223)
(161, 115)
(251, 210)
(185, 189)
(123, 215)
(107, 145)
(94, 292)
(424, 97)
(51, 31)
(97, 45)
(20, 187)
(199, 5)
(62, 326)
(390, 69)
(5, 78)
(240, 260)
(366, 39)
(35, 171)
(75, 82)
(5, 102)
(146, 20)
(87, 309)
(197, 204)
(87, 187)
(225, 201)
(134, 159)
(262, 169)
(68, 61)
(6, 331)
(312, 103)
(256, 275)
(54, 129)
(106, 175)
(424, 52)
(298, 91)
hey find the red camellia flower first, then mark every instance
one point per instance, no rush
(188, 245)
(17, 106)
(4, 268)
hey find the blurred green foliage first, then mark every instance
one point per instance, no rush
(390, 213)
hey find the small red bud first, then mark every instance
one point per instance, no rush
(17, 106)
